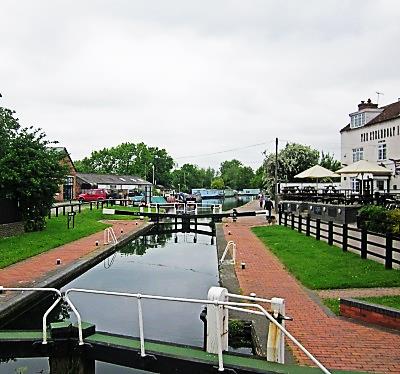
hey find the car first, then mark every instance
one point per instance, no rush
(93, 195)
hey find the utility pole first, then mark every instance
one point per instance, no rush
(276, 175)
(153, 176)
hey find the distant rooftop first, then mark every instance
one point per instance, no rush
(111, 179)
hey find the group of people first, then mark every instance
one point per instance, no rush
(265, 203)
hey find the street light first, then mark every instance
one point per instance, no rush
(153, 177)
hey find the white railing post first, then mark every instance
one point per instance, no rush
(217, 321)
(141, 211)
(276, 338)
(141, 331)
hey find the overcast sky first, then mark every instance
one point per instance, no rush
(196, 77)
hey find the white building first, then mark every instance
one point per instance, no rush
(373, 134)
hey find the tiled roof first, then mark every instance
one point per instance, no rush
(391, 111)
(111, 179)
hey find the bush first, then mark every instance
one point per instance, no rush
(374, 218)
(379, 219)
(394, 218)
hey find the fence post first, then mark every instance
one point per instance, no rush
(63, 210)
(286, 219)
(56, 211)
(280, 216)
(299, 223)
(50, 213)
(318, 229)
(91, 206)
(364, 238)
(72, 208)
(389, 250)
(308, 224)
(292, 221)
(330, 232)
(345, 231)
(80, 208)
(97, 204)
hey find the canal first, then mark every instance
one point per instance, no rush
(175, 264)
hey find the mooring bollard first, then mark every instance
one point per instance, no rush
(276, 338)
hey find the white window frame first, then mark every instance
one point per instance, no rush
(357, 120)
(382, 152)
(358, 154)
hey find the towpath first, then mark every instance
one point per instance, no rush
(337, 342)
(37, 269)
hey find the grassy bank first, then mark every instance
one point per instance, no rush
(20, 247)
(320, 266)
(390, 301)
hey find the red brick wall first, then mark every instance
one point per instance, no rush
(370, 313)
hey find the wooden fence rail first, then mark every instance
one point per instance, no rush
(385, 247)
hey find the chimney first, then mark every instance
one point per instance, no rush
(367, 105)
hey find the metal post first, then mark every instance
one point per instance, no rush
(280, 215)
(292, 221)
(299, 223)
(80, 207)
(389, 250)
(330, 232)
(318, 229)
(91, 206)
(63, 210)
(308, 221)
(56, 211)
(364, 238)
(286, 219)
(345, 233)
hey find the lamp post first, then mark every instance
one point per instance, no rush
(153, 177)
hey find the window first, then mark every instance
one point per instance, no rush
(380, 185)
(357, 120)
(381, 152)
(355, 184)
(358, 154)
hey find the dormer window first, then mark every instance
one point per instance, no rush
(357, 120)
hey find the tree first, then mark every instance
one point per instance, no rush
(236, 175)
(327, 161)
(130, 159)
(218, 183)
(292, 160)
(190, 176)
(31, 171)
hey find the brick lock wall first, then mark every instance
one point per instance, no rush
(11, 229)
(370, 313)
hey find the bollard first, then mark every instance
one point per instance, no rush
(276, 338)
(220, 294)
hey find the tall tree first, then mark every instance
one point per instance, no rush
(292, 160)
(30, 171)
(130, 159)
(329, 162)
(236, 175)
(190, 176)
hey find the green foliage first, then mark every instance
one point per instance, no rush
(30, 171)
(190, 176)
(394, 219)
(328, 162)
(320, 266)
(130, 159)
(218, 183)
(374, 218)
(236, 175)
(292, 160)
(333, 305)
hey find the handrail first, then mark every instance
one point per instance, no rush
(109, 233)
(225, 304)
(230, 244)
(44, 320)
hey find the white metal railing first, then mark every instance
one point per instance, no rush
(44, 319)
(109, 236)
(238, 306)
(230, 245)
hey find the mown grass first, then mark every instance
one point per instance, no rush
(20, 247)
(390, 301)
(320, 266)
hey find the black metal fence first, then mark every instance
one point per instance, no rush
(366, 243)
(64, 208)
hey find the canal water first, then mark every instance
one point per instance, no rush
(167, 264)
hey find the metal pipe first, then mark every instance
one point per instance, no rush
(141, 332)
(44, 319)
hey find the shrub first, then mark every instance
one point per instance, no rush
(394, 218)
(374, 218)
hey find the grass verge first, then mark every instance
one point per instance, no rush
(390, 301)
(20, 247)
(318, 265)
